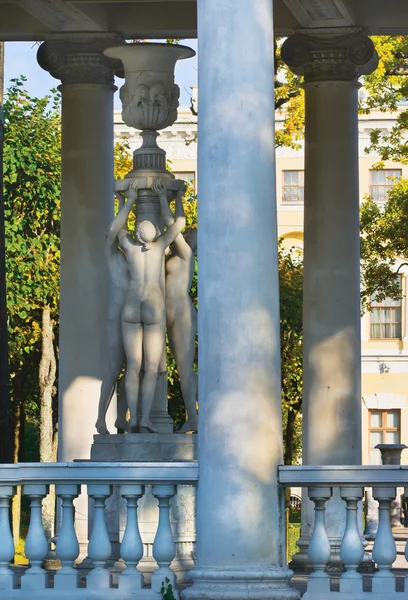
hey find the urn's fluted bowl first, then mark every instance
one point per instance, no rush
(149, 96)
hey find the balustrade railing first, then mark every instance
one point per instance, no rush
(132, 479)
(99, 479)
(351, 482)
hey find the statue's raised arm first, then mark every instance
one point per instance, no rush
(183, 249)
(175, 223)
(118, 226)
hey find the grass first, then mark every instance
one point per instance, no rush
(294, 532)
(294, 535)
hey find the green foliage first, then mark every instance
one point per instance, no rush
(291, 338)
(32, 180)
(122, 157)
(289, 100)
(384, 229)
(294, 535)
(31, 442)
(384, 239)
(166, 590)
(387, 87)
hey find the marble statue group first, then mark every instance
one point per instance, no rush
(151, 273)
(152, 266)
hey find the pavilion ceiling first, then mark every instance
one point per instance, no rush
(37, 19)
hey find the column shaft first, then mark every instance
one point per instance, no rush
(239, 523)
(87, 210)
(331, 310)
(87, 89)
(331, 62)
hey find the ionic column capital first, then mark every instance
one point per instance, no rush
(341, 54)
(79, 58)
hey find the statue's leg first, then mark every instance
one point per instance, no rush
(182, 334)
(154, 337)
(108, 387)
(121, 422)
(132, 341)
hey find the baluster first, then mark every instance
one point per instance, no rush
(6, 537)
(163, 547)
(319, 545)
(36, 545)
(67, 549)
(384, 550)
(99, 547)
(131, 548)
(351, 549)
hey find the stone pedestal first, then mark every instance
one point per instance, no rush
(151, 447)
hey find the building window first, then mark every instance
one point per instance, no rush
(384, 428)
(187, 176)
(381, 182)
(386, 318)
(293, 187)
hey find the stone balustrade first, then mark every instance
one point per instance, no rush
(96, 580)
(351, 481)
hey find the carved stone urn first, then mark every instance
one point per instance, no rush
(391, 453)
(150, 97)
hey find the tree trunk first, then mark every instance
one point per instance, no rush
(16, 503)
(6, 431)
(288, 456)
(289, 435)
(47, 373)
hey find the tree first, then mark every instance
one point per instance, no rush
(122, 157)
(32, 183)
(384, 242)
(387, 88)
(48, 434)
(291, 345)
(289, 102)
(384, 230)
(6, 432)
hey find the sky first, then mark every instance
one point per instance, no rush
(20, 59)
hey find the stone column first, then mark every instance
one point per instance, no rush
(87, 208)
(240, 536)
(331, 62)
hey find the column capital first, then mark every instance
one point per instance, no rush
(79, 57)
(341, 54)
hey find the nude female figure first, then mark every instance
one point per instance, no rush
(119, 273)
(181, 314)
(144, 314)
